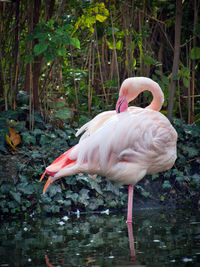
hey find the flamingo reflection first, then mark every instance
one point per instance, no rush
(90, 260)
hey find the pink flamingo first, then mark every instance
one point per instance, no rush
(123, 145)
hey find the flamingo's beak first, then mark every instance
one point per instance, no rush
(49, 181)
(43, 176)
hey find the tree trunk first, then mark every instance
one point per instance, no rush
(1, 51)
(16, 53)
(195, 8)
(29, 48)
(37, 59)
(1, 83)
(50, 10)
(176, 56)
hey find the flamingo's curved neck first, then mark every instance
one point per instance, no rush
(158, 97)
(132, 87)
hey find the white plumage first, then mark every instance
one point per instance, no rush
(141, 138)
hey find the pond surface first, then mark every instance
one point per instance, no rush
(161, 238)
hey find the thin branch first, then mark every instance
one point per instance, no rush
(100, 69)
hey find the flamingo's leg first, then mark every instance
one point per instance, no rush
(130, 204)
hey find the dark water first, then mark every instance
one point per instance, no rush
(161, 238)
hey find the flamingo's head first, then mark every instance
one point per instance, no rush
(122, 104)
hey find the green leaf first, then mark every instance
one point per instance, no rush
(165, 80)
(166, 185)
(101, 18)
(63, 113)
(41, 36)
(55, 209)
(75, 42)
(196, 179)
(114, 188)
(162, 198)
(28, 139)
(144, 193)
(111, 30)
(6, 187)
(61, 51)
(40, 48)
(149, 60)
(186, 82)
(36, 155)
(95, 203)
(185, 72)
(195, 53)
(70, 194)
(93, 182)
(25, 188)
(29, 58)
(110, 45)
(16, 196)
(54, 190)
(119, 45)
(83, 197)
(38, 132)
(95, 185)
(45, 140)
(70, 180)
(176, 77)
(180, 178)
(60, 104)
(155, 176)
(50, 55)
(192, 152)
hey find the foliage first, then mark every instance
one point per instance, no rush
(70, 62)
(104, 42)
(23, 194)
(94, 13)
(195, 53)
(52, 40)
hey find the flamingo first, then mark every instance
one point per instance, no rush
(123, 144)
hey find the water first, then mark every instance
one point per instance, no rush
(161, 238)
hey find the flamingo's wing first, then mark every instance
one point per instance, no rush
(93, 125)
(66, 163)
(97, 122)
(128, 144)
